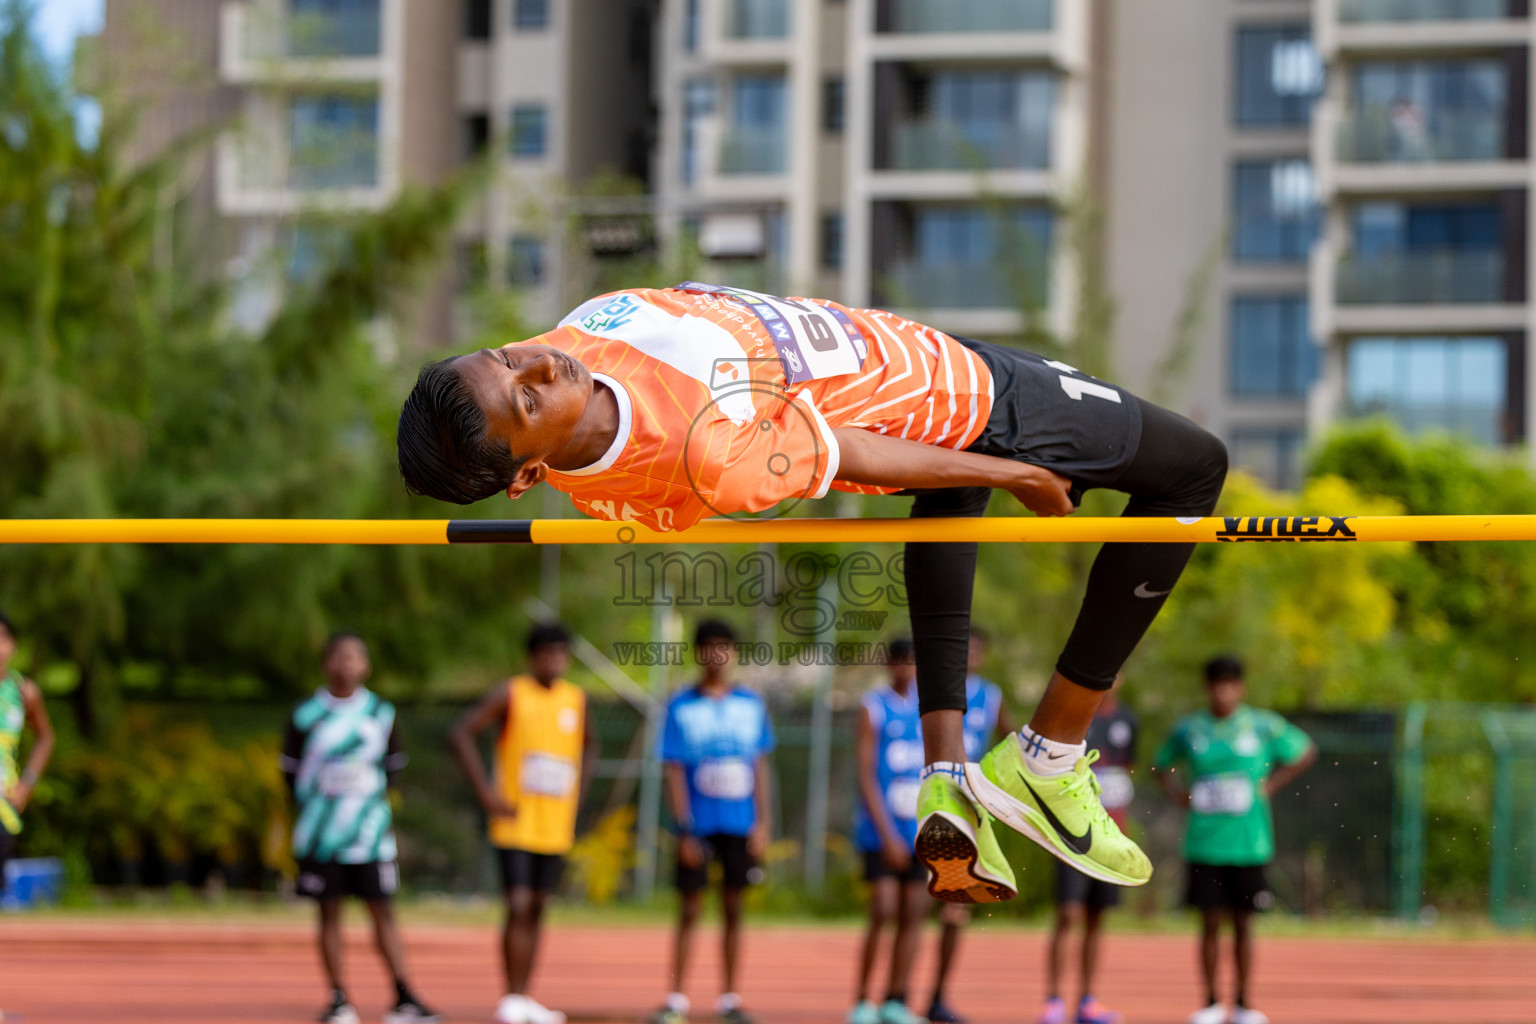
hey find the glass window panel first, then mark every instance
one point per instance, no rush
(1279, 72)
(525, 260)
(333, 142)
(530, 14)
(1452, 384)
(529, 130)
(1276, 215)
(1272, 351)
(477, 19)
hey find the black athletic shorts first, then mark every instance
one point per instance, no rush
(373, 882)
(1079, 426)
(1227, 886)
(875, 868)
(738, 868)
(524, 869)
(1072, 886)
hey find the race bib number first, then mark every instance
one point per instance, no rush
(901, 798)
(547, 775)
(726, 778)
(1222, 794)
(1115, 788)
(814, 341)
(348, 778)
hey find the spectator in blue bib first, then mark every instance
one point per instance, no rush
(714, 751)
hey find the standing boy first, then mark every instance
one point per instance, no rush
(1081, 900)
(341, 756)
(714, 750)
(889, 751)
(666, 406)
(987, 721)
(543, 760)
(1234, 758)
(21, 707)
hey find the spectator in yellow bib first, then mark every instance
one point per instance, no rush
(543, 758)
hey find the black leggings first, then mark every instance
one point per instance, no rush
(1178, 470)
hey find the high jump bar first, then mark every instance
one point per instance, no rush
(1213, 529)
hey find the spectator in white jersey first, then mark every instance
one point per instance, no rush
(341, 756)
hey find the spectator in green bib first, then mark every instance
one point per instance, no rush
(1224, 764)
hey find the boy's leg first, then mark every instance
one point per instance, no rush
(330, 941)
(731, 898)
(1093, 927)
(909, 928)
(525, 913)
(1242, 952)
(1037, 781)
(884, 893)
(1064, 924)
(1210, 951)
(953, 918)
(386, 935)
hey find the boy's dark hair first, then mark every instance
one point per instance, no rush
(1222, 668)
(712, 631)
(441, 441)
(977, 633)
(900, 649)
(547, 634)
(5, 624)
(340, 636)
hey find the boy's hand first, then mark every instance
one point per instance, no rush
(1043, 492)
(895, 854)
(18, 796)
(691, 852)
(757, 840)
(497, 806)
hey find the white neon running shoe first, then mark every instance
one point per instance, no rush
(1216, 1013)
(1248, 1015)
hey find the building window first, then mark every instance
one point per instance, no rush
(1271, 454)
(477, 19)
(530, 14)
(333, 142)
(833, 100)
(469, 262)
(698, 103)
(1409, 111)
(530, 129)
(971, 257)
(1275, 211)
(1459, 385)
(333, 28)
(477, 134)
(525, 260)
(691, 26)
(1424, 252)
(757, 140)
(965, 120)
(1272, 351)
(1279, 72)
(832, 241)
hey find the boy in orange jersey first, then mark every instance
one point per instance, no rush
(543, 759)
(665, 406)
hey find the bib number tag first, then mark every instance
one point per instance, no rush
(1222, 794)
(547, 775)
(348, 778)
(814, 341)
(726, 778)
(1115, 788)
(901, 798)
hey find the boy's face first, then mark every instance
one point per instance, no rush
(533, 397)
(7, 648)
(549, 662)
(903, 671)
(977, 655)
(347, 664)
(717, 654)
(1224, 696)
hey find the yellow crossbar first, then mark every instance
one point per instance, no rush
(782, 531)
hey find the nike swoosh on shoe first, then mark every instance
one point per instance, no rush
(1082, 844)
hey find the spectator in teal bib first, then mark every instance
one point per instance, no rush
(1224, 764)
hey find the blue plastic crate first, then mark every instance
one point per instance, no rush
(32, 882)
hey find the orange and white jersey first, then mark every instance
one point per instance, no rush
(728, 399)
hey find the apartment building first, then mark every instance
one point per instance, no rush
(335, 105)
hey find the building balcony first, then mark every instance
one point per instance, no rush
(944, 16)
(753, 151)
(947, 146)
(1419, 278)
(1421, 10)
(755, 19)
(913, 285)
(1372, 136)
(260, 43)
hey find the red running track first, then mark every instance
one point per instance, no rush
(128, 972)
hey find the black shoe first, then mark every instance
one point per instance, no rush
(940, 1012)
(736, 1015)
(411, 1011)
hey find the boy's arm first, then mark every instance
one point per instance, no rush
(394, 756)
(37, 719)
(762, 795)
(865, 457)
(589, 749)
(491, 710)
(865, 752)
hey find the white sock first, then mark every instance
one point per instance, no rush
(954, 769)
(728, 1001)
(677, 1003)
(1049, 757)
